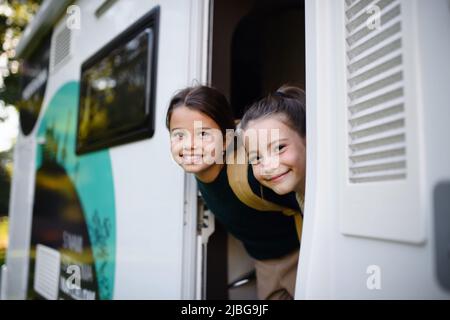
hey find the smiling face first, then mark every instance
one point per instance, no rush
(279, 156)
(196, 141)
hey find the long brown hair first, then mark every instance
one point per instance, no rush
(288, 101)
(206, 100)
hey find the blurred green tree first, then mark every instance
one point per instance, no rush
(15, 15)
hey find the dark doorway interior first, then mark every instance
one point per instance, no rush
(257, 46)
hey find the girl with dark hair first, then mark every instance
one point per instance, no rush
(198, 119)
(280, 162)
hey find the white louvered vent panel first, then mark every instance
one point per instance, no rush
(61, 47)
(376, 105)
(47, 270)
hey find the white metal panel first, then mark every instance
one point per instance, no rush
(434, 49)
(149, 186)
(46, 278)
(153, 211)
(333, 265)
(379, 124)
(20, 208)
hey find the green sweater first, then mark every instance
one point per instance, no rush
(265, 235)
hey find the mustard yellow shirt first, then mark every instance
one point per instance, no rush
(301, 201)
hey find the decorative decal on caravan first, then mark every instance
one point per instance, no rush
(74, 211)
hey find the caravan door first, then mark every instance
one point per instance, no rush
(156, 203)
(378, 167)
(123, 212)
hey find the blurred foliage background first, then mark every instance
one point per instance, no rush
(15, 15)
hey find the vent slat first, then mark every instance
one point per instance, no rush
(358, 7)
(385, 18)
(386, 66)
(350, 2)
(61, 48)
(377, 115)
(358, 21)
(378, 155)
(379, 178)
(380, 53)
(382, 36)
(397, 77)
(379, 167)
(383, 98)
(378, 143)
(378, 129)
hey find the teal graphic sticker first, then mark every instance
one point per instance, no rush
(74, 207)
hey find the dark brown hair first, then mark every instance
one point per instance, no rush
(288, 101)
(206, 100)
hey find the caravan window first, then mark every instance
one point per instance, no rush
(34, 75)
(118, 89)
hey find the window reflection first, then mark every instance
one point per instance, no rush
(114, 92)
(34, 75)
